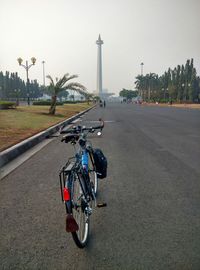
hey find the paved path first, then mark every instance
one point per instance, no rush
(152, 191)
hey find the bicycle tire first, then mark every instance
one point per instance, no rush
(78, 210)
(93, 175)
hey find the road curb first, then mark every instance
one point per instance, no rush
(18, 149)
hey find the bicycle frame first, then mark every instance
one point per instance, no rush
(80, 165)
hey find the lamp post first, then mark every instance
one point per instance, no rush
(167, 93)
(149, 93)
(163, 89)
(186, 86)
(184, 98)
(164, 92)
(27, 67)
(43, 62)
(142, 64)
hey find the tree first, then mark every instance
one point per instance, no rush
(140, 84)
(1, 85)
(64, 94)
(10, 84)
(88, 97)
(71, 97)
(128, 94)
(60, 85)
(151, 79)
(96, 98)
(179, 84)
(148, 85)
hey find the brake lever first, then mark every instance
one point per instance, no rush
(61, 128)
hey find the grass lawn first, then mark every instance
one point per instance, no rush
(25, 121)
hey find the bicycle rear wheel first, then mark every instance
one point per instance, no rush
(79, 210)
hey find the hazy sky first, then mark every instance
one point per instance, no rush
(160, 33)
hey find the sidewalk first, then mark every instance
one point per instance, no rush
(176, 105)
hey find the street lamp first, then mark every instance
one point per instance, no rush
(165, 92)
(142, 64)
(163, 89)
(141, 90)
(27, 67)
(185, 93)
(43, 62)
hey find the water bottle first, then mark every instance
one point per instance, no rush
(84, 160)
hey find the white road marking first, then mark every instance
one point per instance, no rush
(75, 121)
(106, 121)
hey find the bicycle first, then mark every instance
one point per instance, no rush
(79, 183)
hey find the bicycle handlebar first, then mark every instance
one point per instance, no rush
(80, 129)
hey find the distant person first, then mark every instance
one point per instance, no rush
(104, 103)
(100, 103)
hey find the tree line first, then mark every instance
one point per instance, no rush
(128, 94)
(12, 86)
(180, 84)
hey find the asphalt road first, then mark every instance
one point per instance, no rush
(152, 220)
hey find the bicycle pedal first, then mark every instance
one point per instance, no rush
(71, 224)
(88, 210)
(101, 205)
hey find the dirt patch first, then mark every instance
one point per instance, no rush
(14, 136)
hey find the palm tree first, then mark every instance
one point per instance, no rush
(140, 84)
(150, 84)
(88, 97)
(71, 97)
(60, 85)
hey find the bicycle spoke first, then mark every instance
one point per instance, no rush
(79, 213)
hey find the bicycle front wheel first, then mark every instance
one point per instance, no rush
(93, 175)
(79, 210)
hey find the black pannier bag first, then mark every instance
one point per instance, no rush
(101, 163)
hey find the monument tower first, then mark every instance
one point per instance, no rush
(99, 42)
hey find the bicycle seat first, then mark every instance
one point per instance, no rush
(70, 138)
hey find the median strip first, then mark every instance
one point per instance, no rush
(16, 150)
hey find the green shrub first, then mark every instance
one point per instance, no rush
(45, 103)
(74, 102)
(163, 100)
(7, 105)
